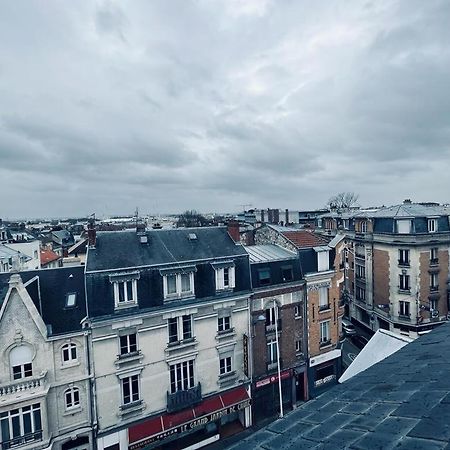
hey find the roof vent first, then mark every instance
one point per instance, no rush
(143, 239)
(192, 237)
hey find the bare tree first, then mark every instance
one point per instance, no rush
(192, 218)
(343, 200)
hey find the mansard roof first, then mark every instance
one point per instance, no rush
(123, 249)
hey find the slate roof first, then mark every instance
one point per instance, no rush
(403, 402)
(407, 210)
(7, 252)
(54, 285)
(268, 252)
(122, 249)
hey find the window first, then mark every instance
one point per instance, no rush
(360, 271)
(71, 300)
(20, 426)
(130, 389)
(404, 226)
(323, 261)
(225, 365)
(72, 398)
(298, 346)
(178, 284)
(128, 344)
(404, 309)
(434, 259)
(404, 282)
(434, 282)
(180, 328)
(323, 299)
(297, 311)
(20, 359)
(433, 305)
(264, 276)
(223, 324)
(287, 273)
(360, 293)
(325, 332)
(271, 351)
(125, 292)
(69, 353)
(225, 278)
(432, 225)
(270, 316)
(182, 376)
(363, 226)
(403, 257)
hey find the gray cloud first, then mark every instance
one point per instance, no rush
(109, 105)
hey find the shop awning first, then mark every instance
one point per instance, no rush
(166, 425)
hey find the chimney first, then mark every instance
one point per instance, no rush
(407, 201)
(92, 233)
(286, 221)
(140, 228)
(233, 231)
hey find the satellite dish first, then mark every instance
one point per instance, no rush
(434, 313)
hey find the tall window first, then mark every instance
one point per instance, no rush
(20, 425)
(20, 359)
(272, 351)
(360, 271)
(324, 332)
(360, 294)
(128, 344)
(130, 389)
(225, 365)
(72, 397)
(69, 353)
(178, 285)
(363, 226)
(434, 283)
(434, 255)
(264, 276)
(180, 328)
(182, 376)
(270, 316)
(404, 282)
(223, 323)
(298, 346)
(403, 257)
(125, 292)
(323, 299)
(432, 225)
(404, 309)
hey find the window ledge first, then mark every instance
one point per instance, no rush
(68, 365)
(128, 358)
(298, 317)
(125, 305)
(131, 408)
(324, 310)
(72, 411)
(226, 334)
(181, 345)
(184, 296)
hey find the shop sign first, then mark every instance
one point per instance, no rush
(273, 379)
(325, 380)
(191, 425)
(245, 343)
(328, 356)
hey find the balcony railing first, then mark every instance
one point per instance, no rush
(22, 440)
(184, 399)
(403, 263)
(434, 288)
(434, 261)
(325, 343)
(270, 328)
(23, 386)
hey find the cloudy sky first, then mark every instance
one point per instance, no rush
(209, 104)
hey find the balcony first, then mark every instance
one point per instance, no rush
(323, 308)
(184, 399)
(272, 366)
(270, 328)
(434, 262)
(24, 388)
(22, 440)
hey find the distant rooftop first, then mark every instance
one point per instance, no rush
(268, 252)
(403, 402)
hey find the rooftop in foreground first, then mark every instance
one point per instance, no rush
(403, 402)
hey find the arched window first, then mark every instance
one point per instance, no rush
(69, 353)
(20, 361)
(72, 397)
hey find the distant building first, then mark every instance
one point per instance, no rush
(50, 259)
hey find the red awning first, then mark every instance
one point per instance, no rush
(166, 422)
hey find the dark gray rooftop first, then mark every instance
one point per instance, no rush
(402, 403)
(122, 249)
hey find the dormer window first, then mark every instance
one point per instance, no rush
(432, 225)
(178, 282)
(225, 275)
(125, 289)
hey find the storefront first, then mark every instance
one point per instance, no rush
(324, 371)
(216, 417)
(266, 395)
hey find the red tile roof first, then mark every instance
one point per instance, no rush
(305, 239)
(48, 256)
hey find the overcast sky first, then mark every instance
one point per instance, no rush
(169, 105)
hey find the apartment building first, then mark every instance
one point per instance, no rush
(397, 266)
(278, 332)
(322, 271)
(45, 398)
(169, 315)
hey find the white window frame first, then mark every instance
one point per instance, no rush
(297, 311)
(434, 280)
(33, 409)
(432, 225)
(182, 368)
(363, 226)
(404, 308)
(298, 346)
(434, 253)
(128, 344)
(271, 351)
(325, 331)
(68, 349)
(220, 278)
(404, 277)
(118, 285)
(221, 324)
(179, 293)
(324, 302)
(402, 253)
(180, 328)
(72, 398)
(225, 365)
(130, 380)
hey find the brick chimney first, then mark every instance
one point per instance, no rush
(92, 233)
(233, 230)
(286, 217)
